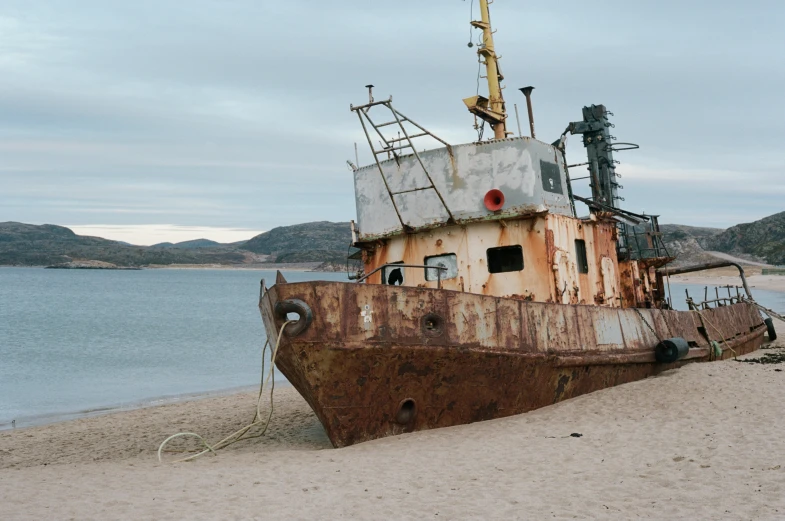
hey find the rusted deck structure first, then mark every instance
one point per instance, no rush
(377, 360)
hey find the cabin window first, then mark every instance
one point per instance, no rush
(505, 258)
(392, 275)
(551, 177)
(448, 260)
(580, 256)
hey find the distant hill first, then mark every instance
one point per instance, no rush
(688, 243)
(327, 243)
(760, 241)
(321, 241)
(764, 239)
(42, 245)
(190, 245)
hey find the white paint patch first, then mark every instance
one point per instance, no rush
(366, 314)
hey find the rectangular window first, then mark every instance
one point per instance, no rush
(580, 256)
(505, 258)
(448, 260)
(392, 275)
(551, 177)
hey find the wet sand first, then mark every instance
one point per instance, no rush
(700, 442)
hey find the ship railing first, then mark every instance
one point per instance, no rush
(645, 244)
(709, 266)
(747, 297)
(439, 270)
(634, 242)
(719, 301)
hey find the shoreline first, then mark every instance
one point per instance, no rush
(46, 419)
(252, 267)
(303, 267)
(765, 282)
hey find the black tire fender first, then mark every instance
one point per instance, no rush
(770, 329)
(671, 350)
(303, 310)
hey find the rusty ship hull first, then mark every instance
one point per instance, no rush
(376, 360)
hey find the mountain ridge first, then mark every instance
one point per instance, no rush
(763, 239)
(328, 244)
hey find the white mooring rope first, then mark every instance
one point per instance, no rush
(257, 419)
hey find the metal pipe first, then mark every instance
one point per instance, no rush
(518, 120)
(527, 91)
(709, 266)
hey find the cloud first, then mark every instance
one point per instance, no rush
(237, 113)
(147, 235)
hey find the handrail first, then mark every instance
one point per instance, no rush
(438, 273)
(709, 266)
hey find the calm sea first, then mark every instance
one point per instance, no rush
(74, 342)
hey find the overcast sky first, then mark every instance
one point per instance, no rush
(192, 115)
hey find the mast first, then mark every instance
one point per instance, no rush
(489, 109)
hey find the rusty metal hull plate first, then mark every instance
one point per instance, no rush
(380, 360)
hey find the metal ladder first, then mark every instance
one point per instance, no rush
(392, 147)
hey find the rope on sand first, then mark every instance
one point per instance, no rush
(257, 419)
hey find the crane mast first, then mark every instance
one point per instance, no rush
(490, 109)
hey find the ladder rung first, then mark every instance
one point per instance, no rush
(410, 137)
(393, 149)
(390, 123)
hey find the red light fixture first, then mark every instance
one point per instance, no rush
(494, 200)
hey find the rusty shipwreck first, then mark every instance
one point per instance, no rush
(483, 294)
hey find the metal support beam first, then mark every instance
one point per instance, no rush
(708, 266)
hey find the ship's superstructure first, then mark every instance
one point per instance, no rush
(498, 217)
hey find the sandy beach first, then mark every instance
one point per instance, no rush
(730, 276)
(700, 442)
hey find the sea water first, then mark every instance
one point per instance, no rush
(74, 342)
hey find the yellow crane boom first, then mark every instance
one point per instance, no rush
(490, 109)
